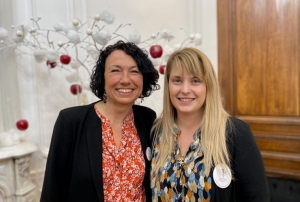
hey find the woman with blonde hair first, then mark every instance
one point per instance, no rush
(200, 153)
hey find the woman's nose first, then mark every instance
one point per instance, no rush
(125, 78)
(185, 88)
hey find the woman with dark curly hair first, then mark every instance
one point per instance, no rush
(101, 152)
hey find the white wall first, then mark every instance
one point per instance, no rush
(41, 94)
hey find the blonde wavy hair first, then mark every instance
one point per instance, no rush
(215, 118)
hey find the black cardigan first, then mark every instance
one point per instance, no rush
(74, 164)
(250, 183)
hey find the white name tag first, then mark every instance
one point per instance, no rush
(148, 153)
(222, 176)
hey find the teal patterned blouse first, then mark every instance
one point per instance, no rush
(181, 181)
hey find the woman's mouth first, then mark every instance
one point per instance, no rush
(124, 90)
(186, 99)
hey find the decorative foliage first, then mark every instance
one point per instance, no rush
(77, 37)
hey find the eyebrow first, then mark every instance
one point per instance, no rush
(120, 66)
(176, 76)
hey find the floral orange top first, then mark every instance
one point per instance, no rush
(123, 169)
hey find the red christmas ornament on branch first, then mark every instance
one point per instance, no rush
(22, 124)
(75, 89)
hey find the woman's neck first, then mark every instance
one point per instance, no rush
(188, 125)
(189, 122)
(115, 113)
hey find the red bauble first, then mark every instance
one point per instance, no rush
(65, 59)
(22, 124)
(75, 88)
(51, 64)
(162, 69)
(156, 51)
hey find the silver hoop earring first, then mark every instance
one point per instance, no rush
(104, 97)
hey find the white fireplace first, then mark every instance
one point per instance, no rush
(15, 180)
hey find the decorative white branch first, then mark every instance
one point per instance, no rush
(44, 49)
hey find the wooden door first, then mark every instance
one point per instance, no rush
(259, 74)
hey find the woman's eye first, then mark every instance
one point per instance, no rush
(114, 70)
(195, 81)
(176, 80)
(135, 71)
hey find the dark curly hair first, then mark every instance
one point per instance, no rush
(150, 74)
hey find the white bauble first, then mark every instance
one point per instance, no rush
(73, 36)
(102, 37)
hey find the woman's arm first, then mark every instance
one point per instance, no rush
(248, 167)
(58, 168)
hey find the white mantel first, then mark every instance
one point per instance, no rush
(15, 179)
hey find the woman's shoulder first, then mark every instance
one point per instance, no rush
(236, 125)
(76, 111)
(239, 133)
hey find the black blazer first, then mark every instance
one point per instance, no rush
(74, 164)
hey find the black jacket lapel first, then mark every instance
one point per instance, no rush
(143, 129)
(94, 142)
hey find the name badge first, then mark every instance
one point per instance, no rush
(148, 153)
(222, 176)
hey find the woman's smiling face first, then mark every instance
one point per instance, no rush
(123, 79)
(187, 92)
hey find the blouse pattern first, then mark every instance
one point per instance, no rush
(123, 169)
(181, 182)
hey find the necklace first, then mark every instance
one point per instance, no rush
(105, 114)
(180, 159)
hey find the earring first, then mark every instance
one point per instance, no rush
(104, 97)
(142, 99)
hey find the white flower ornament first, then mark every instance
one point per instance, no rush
(135, 37)
(92, 52)
(166, 34)
(3, 33)
(73, 36)
(60, 27)
(72, 77)
(107, 16)
(52, 56)
(39, 55)
(198, 39)
(86, 85)
(75, 64)
(168, 50)
(102, 37)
